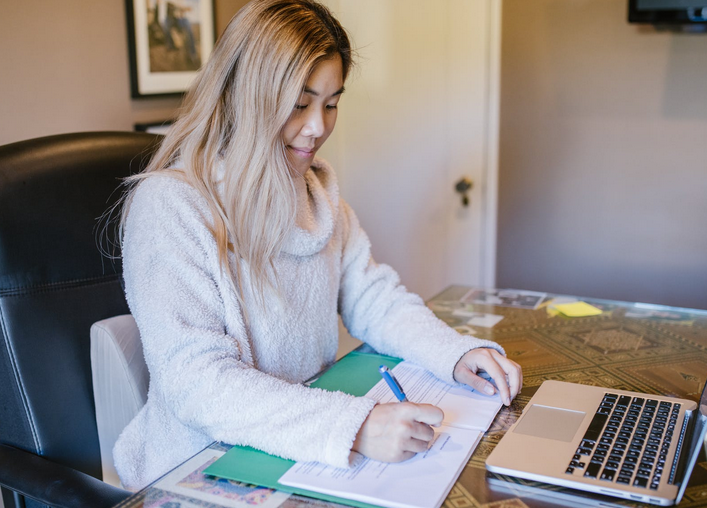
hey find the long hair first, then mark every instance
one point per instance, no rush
(233, 116)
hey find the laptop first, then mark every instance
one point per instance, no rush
(626, 444)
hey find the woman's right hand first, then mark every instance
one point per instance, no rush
(395, 432)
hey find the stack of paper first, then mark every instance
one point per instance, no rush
(421, 482)
(425, 480)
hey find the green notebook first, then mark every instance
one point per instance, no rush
(355, 374)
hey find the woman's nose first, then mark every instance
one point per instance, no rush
(314, 124)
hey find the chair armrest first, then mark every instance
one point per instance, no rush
(54, 484)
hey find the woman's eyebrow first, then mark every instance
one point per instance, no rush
(309, 91)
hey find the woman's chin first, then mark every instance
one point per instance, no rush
(301, 166)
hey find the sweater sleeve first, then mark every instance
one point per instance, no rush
(200, 370)
(377, 309)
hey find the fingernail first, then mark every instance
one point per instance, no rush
(489, 389)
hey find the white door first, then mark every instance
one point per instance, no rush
(419, 113)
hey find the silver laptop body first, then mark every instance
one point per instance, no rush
(625, 444)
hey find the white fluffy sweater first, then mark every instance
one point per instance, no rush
(214, 378)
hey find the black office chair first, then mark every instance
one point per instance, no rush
(54, 283)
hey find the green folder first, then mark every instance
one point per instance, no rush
(355, 374)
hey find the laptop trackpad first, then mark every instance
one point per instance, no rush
(550, 422)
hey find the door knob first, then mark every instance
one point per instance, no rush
(463, 186)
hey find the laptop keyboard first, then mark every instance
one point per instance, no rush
(627, 441)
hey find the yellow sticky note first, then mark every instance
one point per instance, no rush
(552, 312)
(577, 309)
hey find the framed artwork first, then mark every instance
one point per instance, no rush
(168, 42)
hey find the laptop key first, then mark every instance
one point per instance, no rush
(640, 482)
(595, 427)
(592, 470)
(608, 475)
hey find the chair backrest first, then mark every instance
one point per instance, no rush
(54, 284)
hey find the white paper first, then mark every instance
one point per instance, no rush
(420, 482)
(479, 318)
(424, 480)
(486, 321)
(462, 406)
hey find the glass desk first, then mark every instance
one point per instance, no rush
(644, 348)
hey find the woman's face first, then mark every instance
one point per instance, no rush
(314, 116)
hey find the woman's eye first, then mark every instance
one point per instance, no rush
(300, 106)
(331, 106)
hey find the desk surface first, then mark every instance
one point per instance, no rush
(650, 349)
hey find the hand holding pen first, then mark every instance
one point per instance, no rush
(395, 431)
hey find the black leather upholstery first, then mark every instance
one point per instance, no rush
(54, 283)
(43, 481)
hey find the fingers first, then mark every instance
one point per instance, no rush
(514, 375)
(417, 437)
(395, 432)
(421, 432)
(506, 374)
(468, 377)
(501, 371)
(416, 446)
(426, 413)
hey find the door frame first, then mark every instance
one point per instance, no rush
(490, 191)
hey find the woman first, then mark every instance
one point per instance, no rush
(238, 254)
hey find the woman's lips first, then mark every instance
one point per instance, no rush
(305, 153)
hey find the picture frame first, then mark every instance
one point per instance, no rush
(168, 41)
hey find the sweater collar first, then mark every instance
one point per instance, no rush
(317, 207)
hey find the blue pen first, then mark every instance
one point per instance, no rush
(393, 383)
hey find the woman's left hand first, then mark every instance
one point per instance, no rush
(506, 373)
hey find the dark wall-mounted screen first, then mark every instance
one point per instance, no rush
(667, 5)
(668, 11)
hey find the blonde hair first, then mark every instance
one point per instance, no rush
(234, 114)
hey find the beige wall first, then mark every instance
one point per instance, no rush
(603, 156)
(64, 68)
